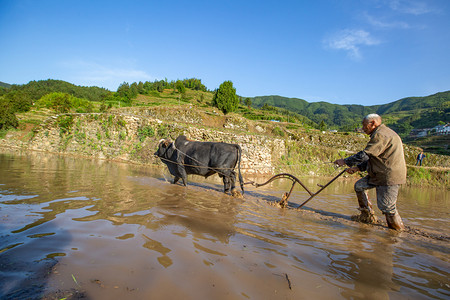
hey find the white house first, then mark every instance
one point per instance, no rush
(445, 129)
(442, 129)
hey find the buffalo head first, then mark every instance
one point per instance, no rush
(164, 147)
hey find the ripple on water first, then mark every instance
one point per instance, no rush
(122, 231)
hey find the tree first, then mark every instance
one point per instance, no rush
(248, 102)
(3, 90)
(7, 117)
(180, 87)
(160, 86)
(134, 91)
(323, 126)
(225, 98)
(140, 86)
(194, 84)
(20, 101)
(123, 90)
(404, 129)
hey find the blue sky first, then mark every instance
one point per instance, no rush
(341, 51)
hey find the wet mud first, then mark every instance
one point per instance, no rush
(84, 229)
(411, 232)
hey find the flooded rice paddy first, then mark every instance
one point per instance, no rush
(78, 228)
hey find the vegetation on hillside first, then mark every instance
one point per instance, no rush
(187, 103)
(402, 115)
(34, 90)
(431, 144)
(127, 93)
(7, 117)
(345, 117)
(4, 85)
(64, 103)
(47, 96)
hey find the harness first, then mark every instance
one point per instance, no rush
(167, 149)
(172, 145)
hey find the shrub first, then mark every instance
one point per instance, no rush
(145, 131)
(7, 117)
(278, 131)
(163, 131)
(122, 135)
(63, 103)
(65, 124)
(81, 105)
(60, 102)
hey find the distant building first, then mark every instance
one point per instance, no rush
(436, 130)
(419, 132)
(443, 129)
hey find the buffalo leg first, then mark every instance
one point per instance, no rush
(175, 179)
(183, 176)
(233, 181)
(226, 184)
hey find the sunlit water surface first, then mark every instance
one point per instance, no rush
(104, 230)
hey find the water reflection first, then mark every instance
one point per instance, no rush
(368, 272)
(158, 247)
(125, 226)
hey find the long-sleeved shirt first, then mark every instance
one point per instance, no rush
(359, 159)
(383, 158)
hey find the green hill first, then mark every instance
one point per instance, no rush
(5, 85)
(414, 103)
(403, 115)
(36, 89)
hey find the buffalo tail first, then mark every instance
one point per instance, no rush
(241, 181)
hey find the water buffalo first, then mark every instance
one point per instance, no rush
(184, 157)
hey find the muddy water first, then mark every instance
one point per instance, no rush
(100, 230)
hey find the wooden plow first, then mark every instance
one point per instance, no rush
(294, 181)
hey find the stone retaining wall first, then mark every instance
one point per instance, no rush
(119, 137)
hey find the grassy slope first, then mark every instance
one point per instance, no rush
(307, 148)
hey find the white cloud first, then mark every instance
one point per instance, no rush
(351, 41)
(385, 25)
(89, 73)
(410, 7)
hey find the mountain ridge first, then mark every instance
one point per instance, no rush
(416, 111)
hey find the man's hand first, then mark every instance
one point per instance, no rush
(352, 170)
(340, 162)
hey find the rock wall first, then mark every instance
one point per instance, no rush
(135, 138)
(259, 153)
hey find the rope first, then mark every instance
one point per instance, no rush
(194, 166)
(247, 168)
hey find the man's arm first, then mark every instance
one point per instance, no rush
(359, 159)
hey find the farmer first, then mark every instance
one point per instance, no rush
(384, 161)
(420, 157)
